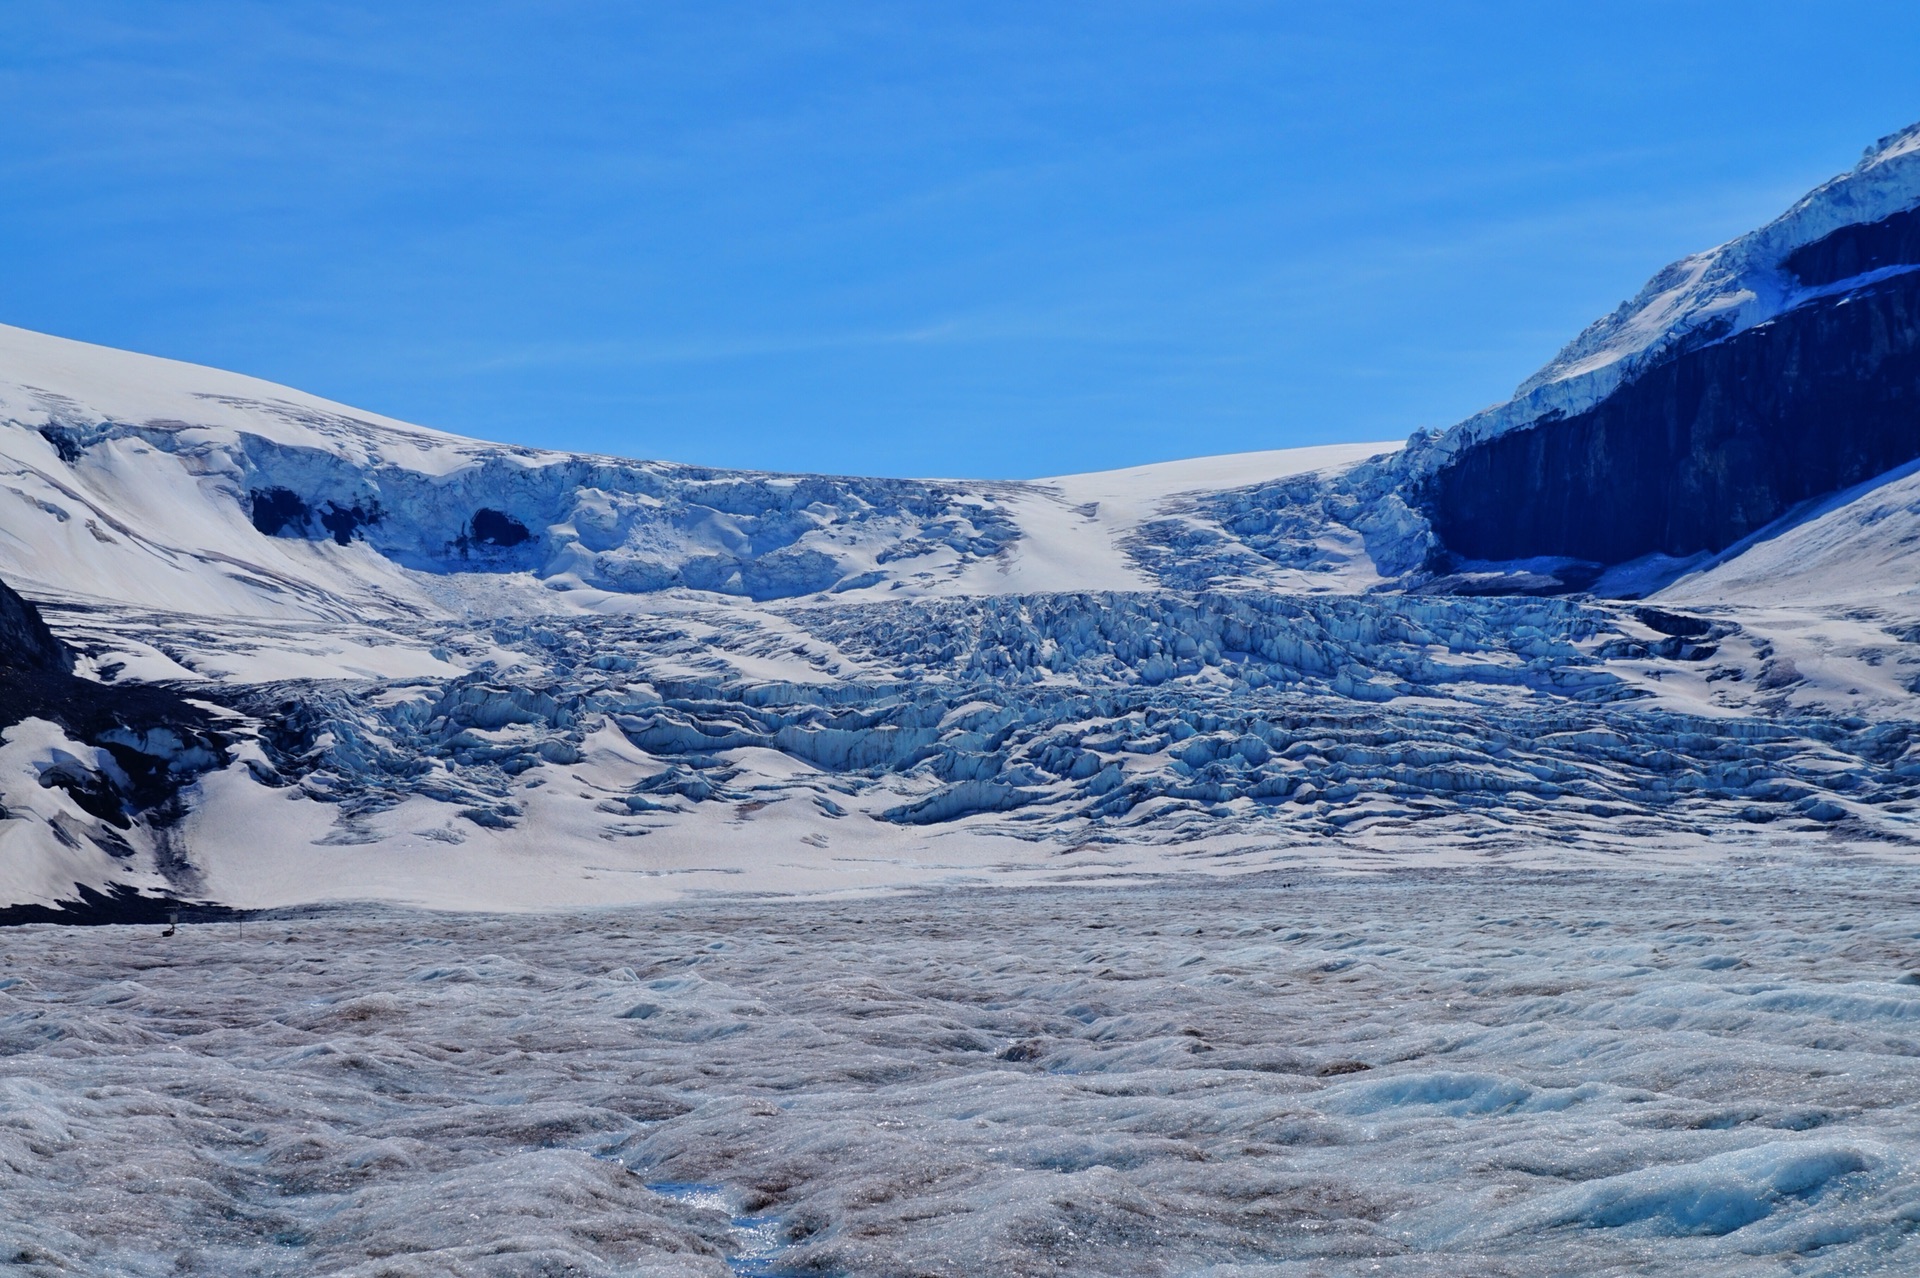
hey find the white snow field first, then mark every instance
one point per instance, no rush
(1488, 1074)
(149, 482)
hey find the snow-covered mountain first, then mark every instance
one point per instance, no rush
(1853, 231)
(305, 652)
(149, 482)
(1740, 385)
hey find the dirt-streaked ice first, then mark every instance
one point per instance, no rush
(1477, 1074)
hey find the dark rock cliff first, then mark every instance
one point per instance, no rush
(26, 645)
(1721, 439)
(161, 741)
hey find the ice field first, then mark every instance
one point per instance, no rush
(1460, 1073)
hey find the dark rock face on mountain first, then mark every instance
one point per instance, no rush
(1719, 441)
(1853, 251)
(160, 741)
(159, 744)
(26, 645)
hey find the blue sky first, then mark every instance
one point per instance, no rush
(992, 239)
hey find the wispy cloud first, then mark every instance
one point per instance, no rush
(624, 351)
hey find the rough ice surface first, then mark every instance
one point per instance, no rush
(548, 761)
(572, 759)
(462, 674)
(1474, 1074)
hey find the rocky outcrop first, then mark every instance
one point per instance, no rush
(1712, 445)
(27, 647)
(145, 742)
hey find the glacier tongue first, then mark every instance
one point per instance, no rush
(465, 674)
(814, 746)
(1455, 1075)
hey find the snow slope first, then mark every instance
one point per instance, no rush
(142, 481)
(1857, 547)
(1078, 531)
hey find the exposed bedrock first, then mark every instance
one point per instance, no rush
(123, 754)
(1853, 251)
(1714, 444)
(26, 645)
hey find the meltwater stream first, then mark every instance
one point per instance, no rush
(757, 1245)
(1486, 1075)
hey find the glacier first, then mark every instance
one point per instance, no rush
(473, 675)
(1468, 1072)
(1488, 854)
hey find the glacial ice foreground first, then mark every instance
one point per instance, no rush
(1434, 1074)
